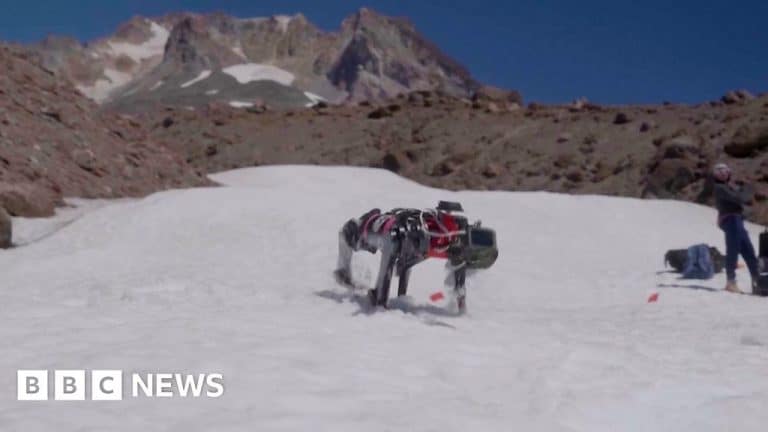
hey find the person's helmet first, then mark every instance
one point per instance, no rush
(721, 172)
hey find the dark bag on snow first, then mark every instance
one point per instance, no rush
(677, 259)
(761, 288)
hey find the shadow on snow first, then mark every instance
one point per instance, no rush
(358, 296)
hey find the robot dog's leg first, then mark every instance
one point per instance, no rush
(402, 285)
(380, 295)
(459, 287)
(348, 239)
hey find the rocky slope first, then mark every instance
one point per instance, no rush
(53, 143)
(285, 61)
(178, 122)
(492, 143)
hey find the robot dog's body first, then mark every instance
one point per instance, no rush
(407, 237)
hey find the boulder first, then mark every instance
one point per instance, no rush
(563, 160)
(745, 95)
(394, 161)
(379, 113)
(575, 176)
(680, 147)
(747, 142)
(492, 108)
(416, 98)
(5, 229)
(578, 104)
(28, 199)
(260, 107)
(669, 177)
(85, 159)
(444, 168)
(736, 96)
(621, 118)
(495, 94)
(492, 170)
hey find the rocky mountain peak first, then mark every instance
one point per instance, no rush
(372, 57)
(56, 42)
(385, 56)
(137, 30)
(184, 41)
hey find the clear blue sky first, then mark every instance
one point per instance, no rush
(614, 51)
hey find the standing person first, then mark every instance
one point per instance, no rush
(730, 207)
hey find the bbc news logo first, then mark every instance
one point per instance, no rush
(107, 385)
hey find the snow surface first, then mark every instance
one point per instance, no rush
(31, 230)
(237, 280)
(247, 72)
(240, 104)
(203, 75)
(212, 92)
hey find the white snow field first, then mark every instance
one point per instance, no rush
(237, 280)
(240, 104)
(203, 75)
(247, 72)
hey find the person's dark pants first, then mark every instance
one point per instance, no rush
(737, 242)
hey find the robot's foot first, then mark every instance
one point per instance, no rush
(375, 301)
(462, 303)
(343, 277)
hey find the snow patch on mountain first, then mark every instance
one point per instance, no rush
(157, 85)
(238, 49)
(248, 72)
(313, 98)
(152, 47)
(240, 104)
(252, 20)
(212, 92)
(203, 75)
(102, 88)
(111, 50)
(283, 21)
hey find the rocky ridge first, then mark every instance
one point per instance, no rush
(54, 143)
(490, 142)
(185, 60)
